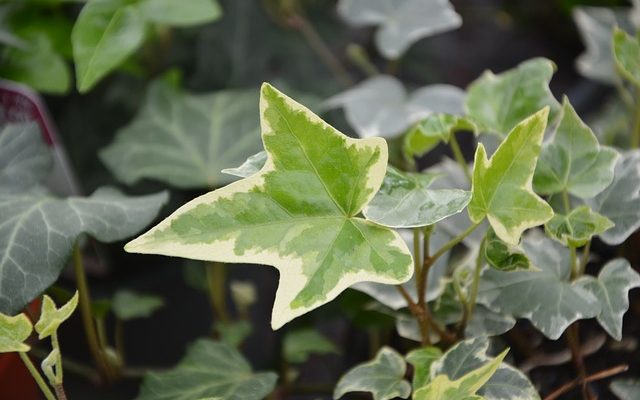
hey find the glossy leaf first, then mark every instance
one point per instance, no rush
(501, 189)
(175, 13)
(51, 317)
(405, 201)
(626, 389)
(421, 359)
(14, 331)
(380, 105)
(383, 377)
(297, 214)
(184, 139)
(626, 51)
(251, 166)
(497, 103)
(611, 288)
(428, 133)
(577, 228)
(24, 158)
(127, 304)
(209, 369)
(503, 256)
(400, 23)
(300, 344)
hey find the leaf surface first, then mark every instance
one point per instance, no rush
(626, 52)
(626, 389)
(24, 158)
(175, 13)
(51, 317)
(300, 344)
(13, 332)
(577, 228)
(127, 304)
(421, 359)
(503, 256)
(251, 166)
(434, 129)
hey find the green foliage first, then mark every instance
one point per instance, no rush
(428, 133)
(421, 359)
(52, 317)
(626, 389)
(127, 304)
(503, 256)
(14, 331)
(24, 157)
(578, 227)
(233, 333)
(300, 344)
(626, 51)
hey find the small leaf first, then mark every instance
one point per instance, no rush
(421, 359)
(383, 377)
(300, 344)
(13, 332)
(626, 51)
(52, 317)
(502, 186)
(251, 166)
(431, 131)
(503, 256)
(24, 158)
(171, 12)
(611, 288)
(234, 333)
(577, 228)
(209, 369)
(127, 304)
(404, 201)
(48, 366)
(626, 389)
(400, 23)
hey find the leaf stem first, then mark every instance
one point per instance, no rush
(216, 279)
(419, 315)
(609, 372)
(573, 338)
(359, 57)
(635, 139)
(55, 343)
(473, 292)
(119, 339)
(37, 377)
(457, 154)
(584, 260)
(451, 243)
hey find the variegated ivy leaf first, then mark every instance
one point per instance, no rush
(503, 256)
(383, 377)
(507, 383)
(24, 158)
(300, 344)
(620, 201)
(405, 201)
(209, 369)
(185, 139)
(626, 52)
(611, 288)
(13, 332)
(463, 388)
(297, 214)
(573, 161)
(545, 296)
(127, 304)
(577, 228)
(626, 389)
(51, 317)
(400, 22)
(380, 105)
(250, 166)
(421, 359)
(501, 189)
(431, 131)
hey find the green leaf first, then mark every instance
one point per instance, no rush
(297, 214)
(626, 52)
(26, 270)
(503, 256)
(209, 369)
(421, 359)
(435, 129)
(127, 304)
(300, 344)
(251, 166)
(184, 139)
(577, 228)
(400, 23)
(383, 377)
(501, 189)
(573, 161)
(171, 12)
(13, 332)
(52, 317)
(404, 201)
(611, 288)
(545, 296)
(620, 201)
(105, 34)
(234, 333)
(24, 158)
(49, 365)
(497, 103)
(626, 389)
(507, 383)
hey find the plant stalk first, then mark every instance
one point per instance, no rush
(573, 338)
(473, 292)
(37, 377)
(635, 139)
(451, 243)
(419, 315)
(216, 279)
(457, 154)
(55, 343)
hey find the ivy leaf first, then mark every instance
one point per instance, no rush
(383, 377)
(431, 131)
(36, 217)
(497, 103)
(209, 369)
(485, 322)
(507, 383)
(421, 359)
(503, 256)
(577, 228)
(251, 166)
(401, 23)
(233, 333)
(184, 139)
(175, 13)
(501, 189)
(297, 214)
(573, 161)
(380, 106)
(127, 304)
(626, 389)
(404, 201)
(13, 332)
(544, 296)
(52, 317)
(626, 52)
(300, 344)
(611, 288)
(24, 158)
(620, 201)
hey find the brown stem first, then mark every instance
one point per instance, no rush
(573, 338)
(419, 314)
(60, 394)
(606, 373)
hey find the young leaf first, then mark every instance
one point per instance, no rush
(380, 105)
(501, 189)
(626, 389)
(497, 103)
(404, 201)
(233, 333)
(13, 332)
(421, 359)
(620, 201)
(298, 214)
(171, 12)
(503, 256)
(626, 51)
(573, 161)
(383, 377)
(544, 296)
(49, 365)
(52, 317)
(431, 131)
(127, 304)
(300, 344)
(184, 139)
(209, 369)
(400, 23)
(24, 158)
(251, 166)
(611, 288)
(577, 228)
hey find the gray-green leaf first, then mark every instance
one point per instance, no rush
(251, 166)
(127, 304)
(179, 13)
(626, 389)
(300, 344)
(626, 52)
(577, 228)
(24, 158)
